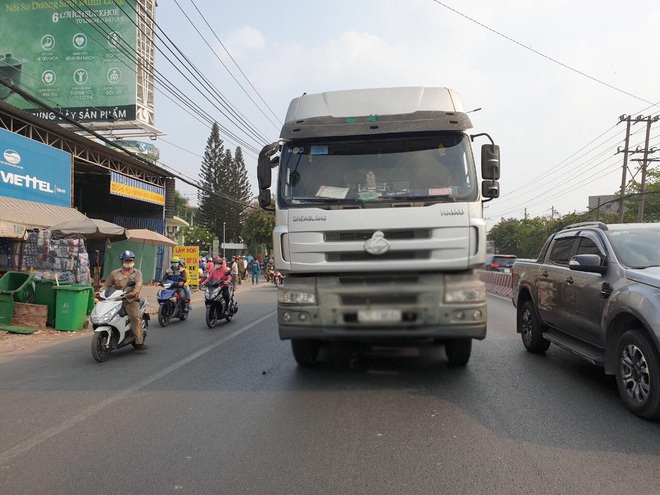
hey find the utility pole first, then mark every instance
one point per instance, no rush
(644, 162)
(622, 192)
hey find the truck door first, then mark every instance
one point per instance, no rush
(551, 281)
(582, 299)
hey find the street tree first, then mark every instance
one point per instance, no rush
(258, 228)
(197, 236)
(211, 198)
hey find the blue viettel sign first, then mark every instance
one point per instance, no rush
(34, 171)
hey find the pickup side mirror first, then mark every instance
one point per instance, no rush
(590, 263)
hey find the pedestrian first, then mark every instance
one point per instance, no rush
(234, 271)
(242, 267)
(255, 268)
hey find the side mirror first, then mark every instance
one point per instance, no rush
(264, 165)
(264, 198)
(490, 162)
(490, 189)
(590, 263)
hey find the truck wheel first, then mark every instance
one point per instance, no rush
(305, 351)
(458, 351)
(638, 374)
(530, 329)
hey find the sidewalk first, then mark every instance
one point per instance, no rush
(197, 302)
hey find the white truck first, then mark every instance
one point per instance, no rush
(379, 220)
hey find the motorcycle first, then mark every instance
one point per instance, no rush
(170, 304)
(112, 326)
(270, 273)
(278, 278)
(216, 307)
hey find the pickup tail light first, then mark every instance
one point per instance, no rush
(494, 265)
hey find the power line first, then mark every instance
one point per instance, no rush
(508, 38)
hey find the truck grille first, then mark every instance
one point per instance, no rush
(391, 256)
(383, 299)
(378, 279)
(395, 235)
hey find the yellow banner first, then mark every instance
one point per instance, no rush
(189, 254)
(136, 193)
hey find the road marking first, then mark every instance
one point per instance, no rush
(30, 443)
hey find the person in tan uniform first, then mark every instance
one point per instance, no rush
(118, 279)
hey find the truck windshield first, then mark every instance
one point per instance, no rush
(430, 168)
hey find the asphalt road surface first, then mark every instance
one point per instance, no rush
(227, 410)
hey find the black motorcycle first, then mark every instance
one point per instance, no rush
(216, 306)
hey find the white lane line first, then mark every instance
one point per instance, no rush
(30, 443)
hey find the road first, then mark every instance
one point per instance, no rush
(227, 411)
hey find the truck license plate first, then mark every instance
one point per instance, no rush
(379, 315)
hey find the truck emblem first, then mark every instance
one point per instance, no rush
(452, 212)
(377, 244)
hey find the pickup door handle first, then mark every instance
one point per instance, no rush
(570, 280)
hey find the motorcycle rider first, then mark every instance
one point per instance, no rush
(118, 279)
(223, 274)
(179, 277)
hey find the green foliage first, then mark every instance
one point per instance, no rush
(651, 199)
(183, 208)
(226, 189)
(197, 236)
(258, 229)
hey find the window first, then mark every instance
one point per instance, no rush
(561, 251)
(587, 246)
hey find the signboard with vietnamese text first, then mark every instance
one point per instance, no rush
(34, 171)
(75, 54)
(190, 254)
(128, 187)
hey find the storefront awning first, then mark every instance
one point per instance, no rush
(18, 215)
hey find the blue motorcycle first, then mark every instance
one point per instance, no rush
(170, 304)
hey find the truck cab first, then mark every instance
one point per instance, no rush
(379, 219)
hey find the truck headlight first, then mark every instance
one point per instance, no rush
(285, 296)
(476, 294)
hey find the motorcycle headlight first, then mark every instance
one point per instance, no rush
(101, 318)
(285, 296)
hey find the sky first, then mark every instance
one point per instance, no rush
(551, 79)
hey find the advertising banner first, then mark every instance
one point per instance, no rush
(78, 55)
(34, 171)
(122, 185)
(190, 254)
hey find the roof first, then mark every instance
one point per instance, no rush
(19, 215)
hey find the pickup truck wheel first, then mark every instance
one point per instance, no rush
(305, 351)
(458, 351)
(638, 374)
(530, 329)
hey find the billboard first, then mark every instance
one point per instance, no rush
(190, 254)
(34, 171)
(78, 55)
(128, 187)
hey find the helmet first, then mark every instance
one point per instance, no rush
(127, 255)
(217, 259)
(175, 259)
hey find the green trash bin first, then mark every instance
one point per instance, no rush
(71, 303)
(18, 285)
(44, 293)
(6, 308)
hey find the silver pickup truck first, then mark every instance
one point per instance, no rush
(595, 290)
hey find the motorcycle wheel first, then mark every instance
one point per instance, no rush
(99, 351)
(164, 315)
(211, 316)
(230, 314)
(277, 281)
(183, 315)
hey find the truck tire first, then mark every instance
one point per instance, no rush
(530, 329)
(305, 351)
(638, 374)
(458, 351)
